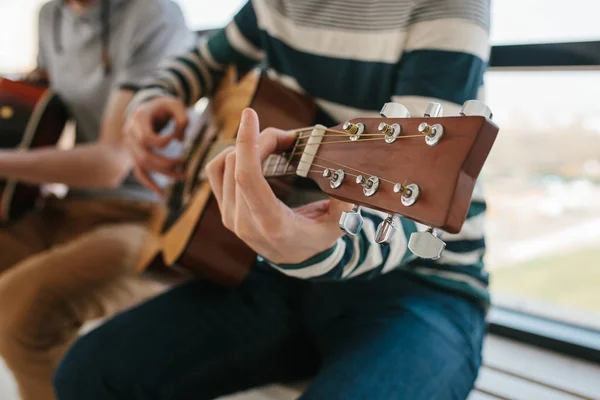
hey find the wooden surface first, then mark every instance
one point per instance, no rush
(445, 173)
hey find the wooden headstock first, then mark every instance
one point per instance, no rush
(423, 168)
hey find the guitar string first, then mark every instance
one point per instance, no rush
(324, 168)
(343, 166)
(358, 141)
(275, 173)
(346, 166)
(344, 134)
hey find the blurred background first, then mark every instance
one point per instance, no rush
(543, 176)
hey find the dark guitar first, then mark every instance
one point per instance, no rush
(423, 168)
(30, 116)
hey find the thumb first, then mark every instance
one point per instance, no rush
(336, 207)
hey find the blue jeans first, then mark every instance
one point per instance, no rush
(394, 337)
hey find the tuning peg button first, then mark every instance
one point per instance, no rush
(433, 133)
(385, 230)
(335, 177)
(434, 110)
(351, 222)
(472, 108)
(369, 185)
(410, 193)
(394, 110)
(426, 244)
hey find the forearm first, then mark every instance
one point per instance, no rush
(357, 256)
(87, 166)
(362, 258)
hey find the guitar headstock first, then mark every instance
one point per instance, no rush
(422, 168)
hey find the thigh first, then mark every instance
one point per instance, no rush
(197, 341)
(409, 343)
(46, 297)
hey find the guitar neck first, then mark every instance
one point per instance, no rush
(285, 164)
(278, 165)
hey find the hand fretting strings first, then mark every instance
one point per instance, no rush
(273, 164)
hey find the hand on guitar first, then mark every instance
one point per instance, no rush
(37, 77)
(251, 210)
(142, 137)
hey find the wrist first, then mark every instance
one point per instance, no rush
(317, 258)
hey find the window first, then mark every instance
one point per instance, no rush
(543, 188)
(543, 175)
(18, 41)
(538, 21)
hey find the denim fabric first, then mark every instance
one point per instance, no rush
(393, 337)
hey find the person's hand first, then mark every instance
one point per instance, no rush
(251, 210)
(37, 77)
(142, 137)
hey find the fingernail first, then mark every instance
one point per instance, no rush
(245, 115)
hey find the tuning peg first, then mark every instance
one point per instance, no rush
(351, 222)
(369, 185)
(434, 110)
(335, 177)
(391, 132)
(433, 133)
(394, 110)
(410, 193)
(426, 244)
(355, 130)
(472, 108)
(385, 230)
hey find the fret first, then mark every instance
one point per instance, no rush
(279, 158)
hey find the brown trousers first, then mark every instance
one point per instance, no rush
(70, 263)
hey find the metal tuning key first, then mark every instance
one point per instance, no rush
(394, 110)
(369, 185)
(391, 132)
(355, 130)
(434, 110)
(335, 177)
(426, 244)
(433, 133)
(351, 221)
(472, 108)
(410, 193)
(385, 230)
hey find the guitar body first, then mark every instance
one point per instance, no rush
(30, 116)
(196, 240)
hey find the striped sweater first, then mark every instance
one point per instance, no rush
(352, 56)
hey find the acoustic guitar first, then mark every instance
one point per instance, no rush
(422, 168)
(30, 116)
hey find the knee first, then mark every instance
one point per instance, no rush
(27, 319)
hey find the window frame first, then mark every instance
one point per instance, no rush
(561, 337)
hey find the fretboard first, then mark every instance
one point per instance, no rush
(278, 165)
